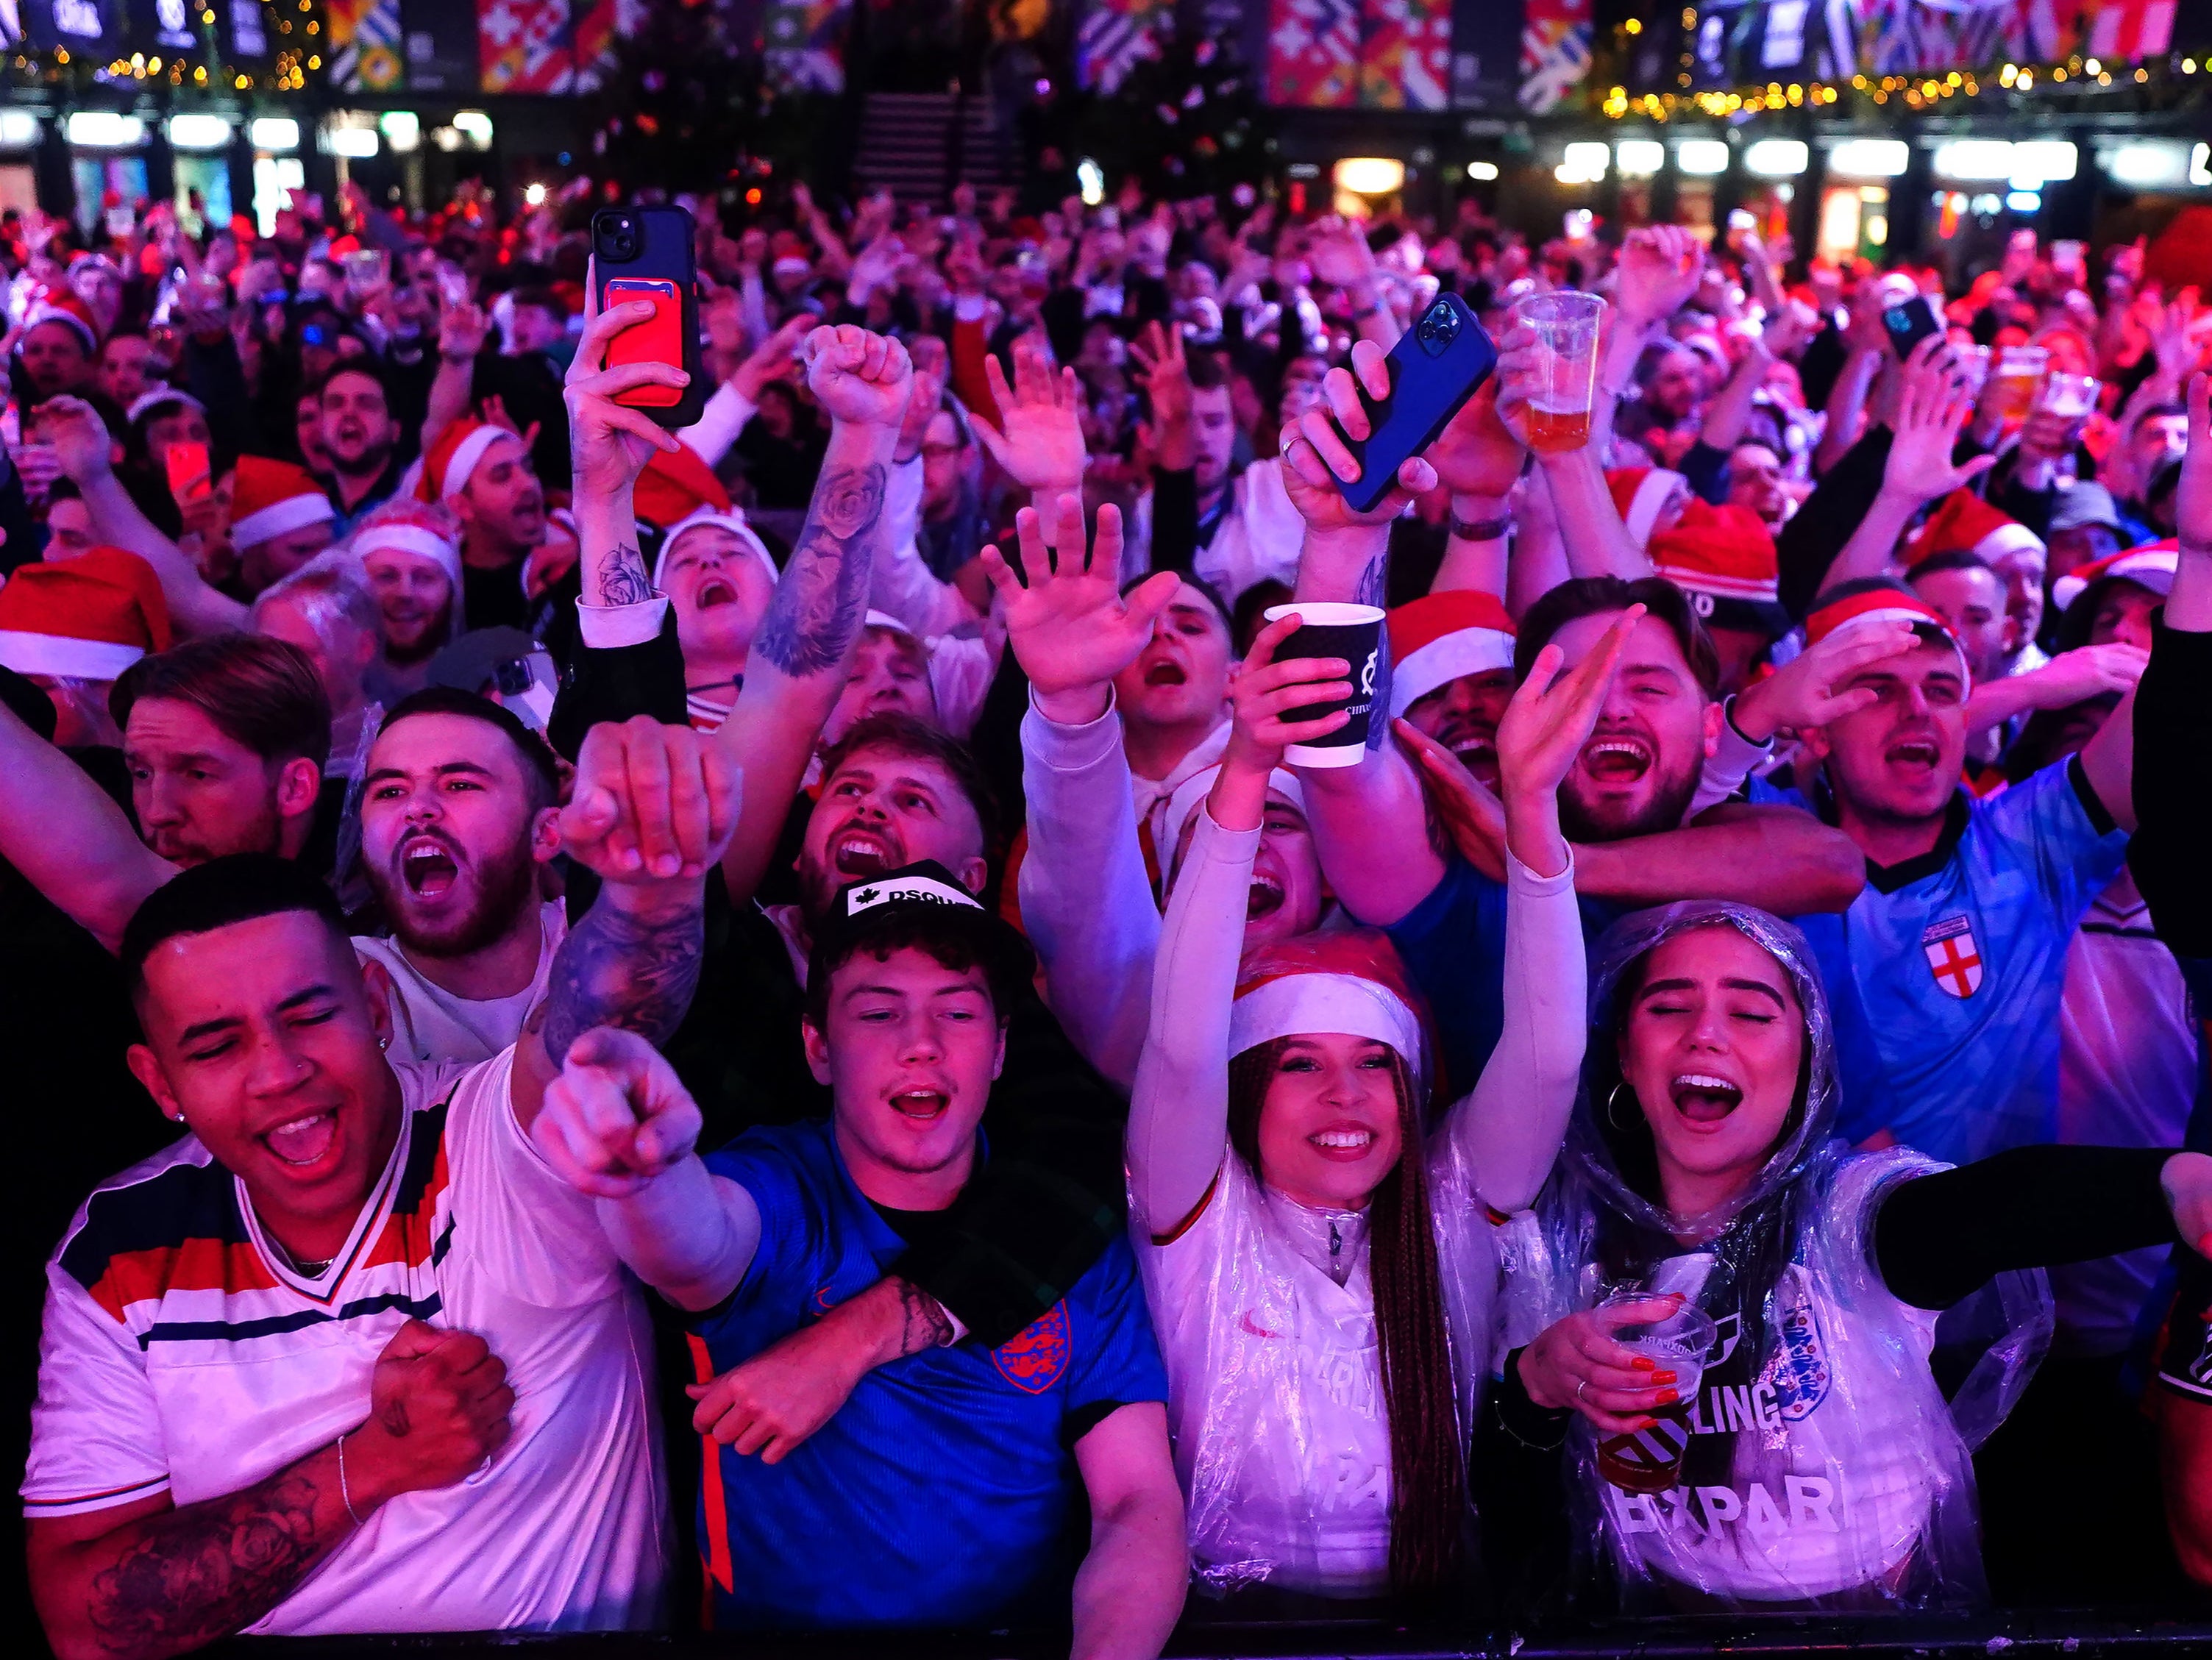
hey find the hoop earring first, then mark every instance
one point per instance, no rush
(1612, 1096)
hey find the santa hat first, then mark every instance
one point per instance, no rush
(2151, 566)
(1963, 522)
(402, 539)
(58, 306)
(732, 521)
(1638, 493)
(1443, 637)
(446, 468)
(268, 497)
(87, 618)
(1884, 604)
(1350, 981)
(146, 402)
(1183, 802)
(674, 487)
(1724, 561)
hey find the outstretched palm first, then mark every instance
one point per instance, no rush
(1039, 439)
(1931, 413)
(1071, 627)
(1552, 713)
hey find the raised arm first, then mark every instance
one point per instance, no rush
(1509, 1128)
(1478, 461)
(1369, 821)
(803, 653)
(81, 445)
(1777, 858)
(71, 841)
(1087, 901)
(1179, 1110)
(1930, 414)
(1597, 543)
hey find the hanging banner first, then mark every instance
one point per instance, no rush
(804, 42)
(522, 47)
(1313, 53)
(1555, 51)
(365, 38)
(1115, 37)
(1405, 55)
(90, 26)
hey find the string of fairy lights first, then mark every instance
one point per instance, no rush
(2159, 83)
(294, 30)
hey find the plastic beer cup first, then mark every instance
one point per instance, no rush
(1651, 1460)
(1567, 325)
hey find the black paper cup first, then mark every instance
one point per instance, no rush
(1353, 633)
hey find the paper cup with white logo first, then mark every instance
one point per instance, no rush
(1353, 633)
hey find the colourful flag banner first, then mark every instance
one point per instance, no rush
(805, 42)
(1405, 57)
(1313, 53)
(1555, 51)
(2128, 31)
(1115, 37)
(523, 45)
(365, 45)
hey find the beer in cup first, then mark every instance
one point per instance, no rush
(1567, 325)
(1651, 1460)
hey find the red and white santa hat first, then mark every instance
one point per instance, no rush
(1348, 982)
(2151, 566)
(1442, 637)
(454, 457)
(729, 520)
(86, 618)
(1640, 493)
(1183, 800)
(1963, 522)
(60, 306)
(268, 497)
(1887, 603)
(1724, 560)
(403, 535)
(675, 486)
(151, 400)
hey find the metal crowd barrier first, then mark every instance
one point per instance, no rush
(2081, 1633)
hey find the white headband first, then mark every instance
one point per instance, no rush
(1447, 658)
(416, 539)
(289, 512)
(1297, 1005)
(701, 518)
(1183, 802)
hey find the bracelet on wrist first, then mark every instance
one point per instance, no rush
(1481, 530)
(1362, 311)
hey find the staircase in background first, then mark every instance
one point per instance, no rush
(919, 144)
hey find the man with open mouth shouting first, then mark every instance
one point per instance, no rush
(304, 1371)
(1952, 960)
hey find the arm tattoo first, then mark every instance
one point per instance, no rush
(816, 615)
(622, 581)
(926, 1326)
(209, 1570)
(616, 970)
(1374, 590)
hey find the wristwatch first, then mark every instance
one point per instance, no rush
(1485, 530)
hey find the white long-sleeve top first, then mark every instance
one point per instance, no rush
(1265, 1310)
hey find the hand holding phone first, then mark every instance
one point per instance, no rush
(1910, 322)
(186, 464)
(645, 255)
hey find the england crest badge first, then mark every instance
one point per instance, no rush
(1953, 956)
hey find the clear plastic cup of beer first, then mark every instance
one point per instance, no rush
(2069, 395)
(1676, 1339)
(1566, 324)
(1973, 368)
(2019, 371)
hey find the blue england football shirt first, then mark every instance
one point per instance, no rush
(1951, 967)
(945, 1492)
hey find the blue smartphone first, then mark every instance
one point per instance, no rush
(1435, 367)
(1909, 323)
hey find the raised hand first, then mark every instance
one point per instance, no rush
(463, 329)
(1163, 373)
(1813, 688)
(1469, 811)
(858, 379)
(1314, 457)
(439, 1407)
(1542, 730)
(1338, 254)
(1262, 691)
(1039, 442)
(1575, 1364)
(609, 443)
(772, 359)
(1477, 454)
(1658, 270)
(78, 437)
(1071, 628)
(616, 1116)
(651, 803)
(1932, 412)
(2085, 672)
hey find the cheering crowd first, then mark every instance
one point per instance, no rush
(781, 1022)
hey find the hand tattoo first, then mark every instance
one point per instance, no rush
(208, 1570)
(617, 970)
(926, 1324)
(623, 579)
(815, 617)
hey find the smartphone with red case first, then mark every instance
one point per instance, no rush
(646, 253)
(188, 467)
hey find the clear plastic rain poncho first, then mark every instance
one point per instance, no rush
(1285, 1449)
(1824, 1467)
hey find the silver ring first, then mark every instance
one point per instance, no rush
(1580, 1387)
(1289, 443)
